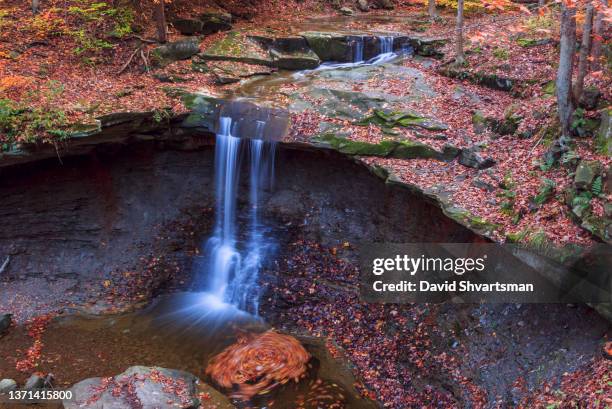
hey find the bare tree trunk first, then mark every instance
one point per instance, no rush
(598, 26)
(159, 15)
(566, 63)
(459, 55)
(585, 50)
(35, 6)
(433, 13)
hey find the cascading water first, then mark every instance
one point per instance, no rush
(357, 47)
(234, 267)
(385, 52)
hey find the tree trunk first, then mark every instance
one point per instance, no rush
(566, 63)
(35, 6)
(460, 56)
(159, 15)
(585, 50)
(598, 26)
(433, 13)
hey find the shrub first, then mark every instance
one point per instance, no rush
(25, 122)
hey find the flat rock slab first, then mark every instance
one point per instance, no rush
(146, 388)
(237, 46)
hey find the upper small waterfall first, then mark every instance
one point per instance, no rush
(358, 46)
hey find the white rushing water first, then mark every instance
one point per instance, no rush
(233, 268)
(385, 54)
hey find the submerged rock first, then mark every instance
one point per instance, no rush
(146, 388)
(7, 385)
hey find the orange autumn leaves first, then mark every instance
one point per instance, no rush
(257, 363)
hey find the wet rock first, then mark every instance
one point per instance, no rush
(329, 46)
(151, 387)
(347, 11)
(7, 385)
(5, 322)
(586, 172)
(471, 158)
(174, 51)
(188, 26)
(363, 5)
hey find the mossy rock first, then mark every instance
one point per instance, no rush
(236, 46)
(203, 110)
(481, 78)
(603, 139)
(385, 148)
(387, 120)
(586, 172)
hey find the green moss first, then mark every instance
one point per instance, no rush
(389, 120)
(385, 148)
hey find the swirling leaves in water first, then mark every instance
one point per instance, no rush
(257, 363)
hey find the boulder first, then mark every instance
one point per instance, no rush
(214, 25)
(177, 50)
(146, 388)
(5, 322)
(589, 98)
(34, 382)
(363, 5)
(385, 4)
(188, 26)
(329, 46)
(586, 172)
(347, 11)
(7, 385)
(604, 135)
(471, 158)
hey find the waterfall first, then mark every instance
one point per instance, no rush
(385, 52)
(234, 267)
(357, 46)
